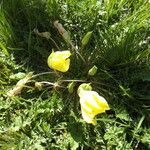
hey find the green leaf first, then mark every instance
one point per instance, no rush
(18, 76)
(4, 49)
(17, 123)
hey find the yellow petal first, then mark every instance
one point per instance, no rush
(85, 107)
(88, 108)
(66, 65)
(65, 54)
(60, 65)
(94, 100)
(61, 54)
(89, 118)
(101, 101)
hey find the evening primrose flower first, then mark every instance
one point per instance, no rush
(59, 60)
(91, 103)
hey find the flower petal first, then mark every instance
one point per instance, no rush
(62, 54)
(89, 118)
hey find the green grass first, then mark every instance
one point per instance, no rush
(51, 118)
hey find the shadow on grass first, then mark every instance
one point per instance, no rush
(25, 16)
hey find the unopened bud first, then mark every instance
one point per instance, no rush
(85, 86)
(92, 71)
(71, 87)
(38, 85)
(86, 38)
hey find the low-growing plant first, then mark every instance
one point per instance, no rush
(104, 56)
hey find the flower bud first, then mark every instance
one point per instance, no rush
(71, 87)
(84, 86)
(38, 85)
(86, 38)
(93, 71)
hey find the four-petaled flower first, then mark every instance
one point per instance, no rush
(59, 60)
(91, 104)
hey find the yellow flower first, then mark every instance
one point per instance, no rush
(91, 105)
(59, 60)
